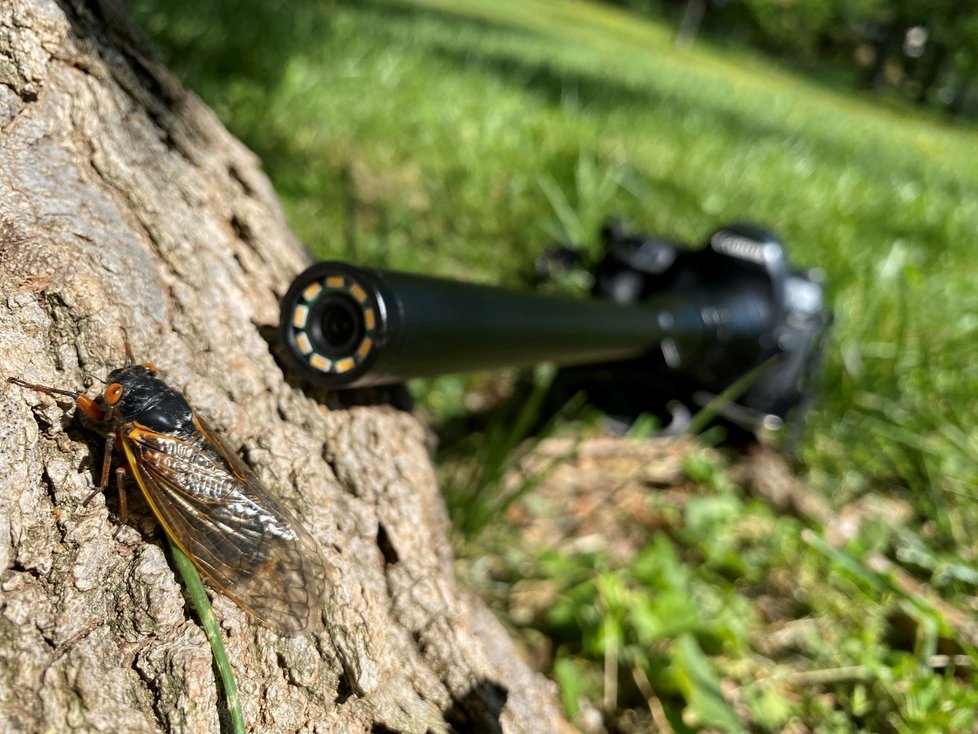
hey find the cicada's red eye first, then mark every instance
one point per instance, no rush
(112, 393)
(150, 366)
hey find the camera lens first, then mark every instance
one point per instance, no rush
(340, 325)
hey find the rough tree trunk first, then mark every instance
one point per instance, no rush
(127, 213)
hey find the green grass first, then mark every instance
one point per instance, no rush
(464, 135)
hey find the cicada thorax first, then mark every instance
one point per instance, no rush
(136, 396)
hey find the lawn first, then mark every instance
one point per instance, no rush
(460, 138)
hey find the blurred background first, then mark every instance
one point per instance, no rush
(673, 587)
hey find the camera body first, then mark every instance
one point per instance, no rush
(752, 312)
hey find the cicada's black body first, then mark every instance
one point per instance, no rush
(149, 402)
(209, 502)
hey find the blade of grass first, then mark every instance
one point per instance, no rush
(715, 407)
(195, 587)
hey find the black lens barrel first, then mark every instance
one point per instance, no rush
(347, 326)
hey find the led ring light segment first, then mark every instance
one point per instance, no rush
(311, 294)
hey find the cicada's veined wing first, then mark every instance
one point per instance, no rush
(240, 537)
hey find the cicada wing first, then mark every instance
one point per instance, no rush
(239, 536)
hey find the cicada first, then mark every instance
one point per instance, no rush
(209, 502)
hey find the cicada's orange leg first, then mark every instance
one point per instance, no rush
(120, 483)
(112, 441)
(106, 467)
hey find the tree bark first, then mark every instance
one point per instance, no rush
(129, 215)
